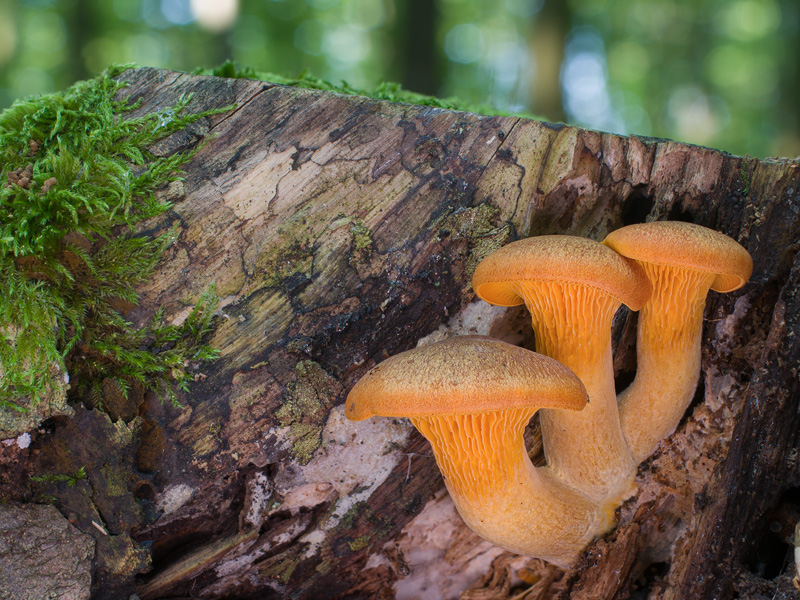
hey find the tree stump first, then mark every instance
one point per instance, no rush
(339, 230)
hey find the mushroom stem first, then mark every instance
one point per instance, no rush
(681, 261)
(668, 357)
(504, 498)
(587, 449)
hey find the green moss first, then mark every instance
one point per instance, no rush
(745, 177)
(476, 224)
(70, 480)
(75, 177)
(392, 92)
(305, 408)
(359, 543)
(324, 567)
(361, 236)
(281, 570)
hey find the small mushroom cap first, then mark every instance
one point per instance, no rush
(463, 375)
(559, 258)
(685, 245)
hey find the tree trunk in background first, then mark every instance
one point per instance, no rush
(82, 22)
(340, 230)
(548, 38)
(416, 58)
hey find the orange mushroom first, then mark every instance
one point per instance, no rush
(572, 287)
(682, 261)
(472, 397)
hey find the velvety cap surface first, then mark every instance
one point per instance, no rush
(685, 245)
(464, 375)
(560, 258)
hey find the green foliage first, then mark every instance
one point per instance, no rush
(389, 91)
(75, 177)
(746, 179)
(158, 356)
(70, 480)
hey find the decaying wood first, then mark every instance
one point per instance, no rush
(37, 539)
(340, 230)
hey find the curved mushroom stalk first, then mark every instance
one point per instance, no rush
(682, 261)
(587, 449)
(668, 357)
(471, 397)
(572, 287)
(501, 496)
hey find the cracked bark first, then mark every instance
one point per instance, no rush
(340, 230)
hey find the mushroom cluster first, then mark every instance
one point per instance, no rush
(472, 396)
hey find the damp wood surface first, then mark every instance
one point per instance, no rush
(340, 230)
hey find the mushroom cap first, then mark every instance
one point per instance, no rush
(559, 258)
(688, 246)
(463, 375)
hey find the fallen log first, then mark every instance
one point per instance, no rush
(339, 230)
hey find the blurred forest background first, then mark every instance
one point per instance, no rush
(721, 73)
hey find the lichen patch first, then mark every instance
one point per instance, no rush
(354, 459)
(477, 225)
(174, 497)
(305, 407)
(257, 497)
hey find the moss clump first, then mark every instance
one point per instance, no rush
(280, 569)
(362, 239)
(359, 543)
(391, 92)
(745, 177)
(476, 224)
(75, 177)
(70, 480)
(305, 408)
